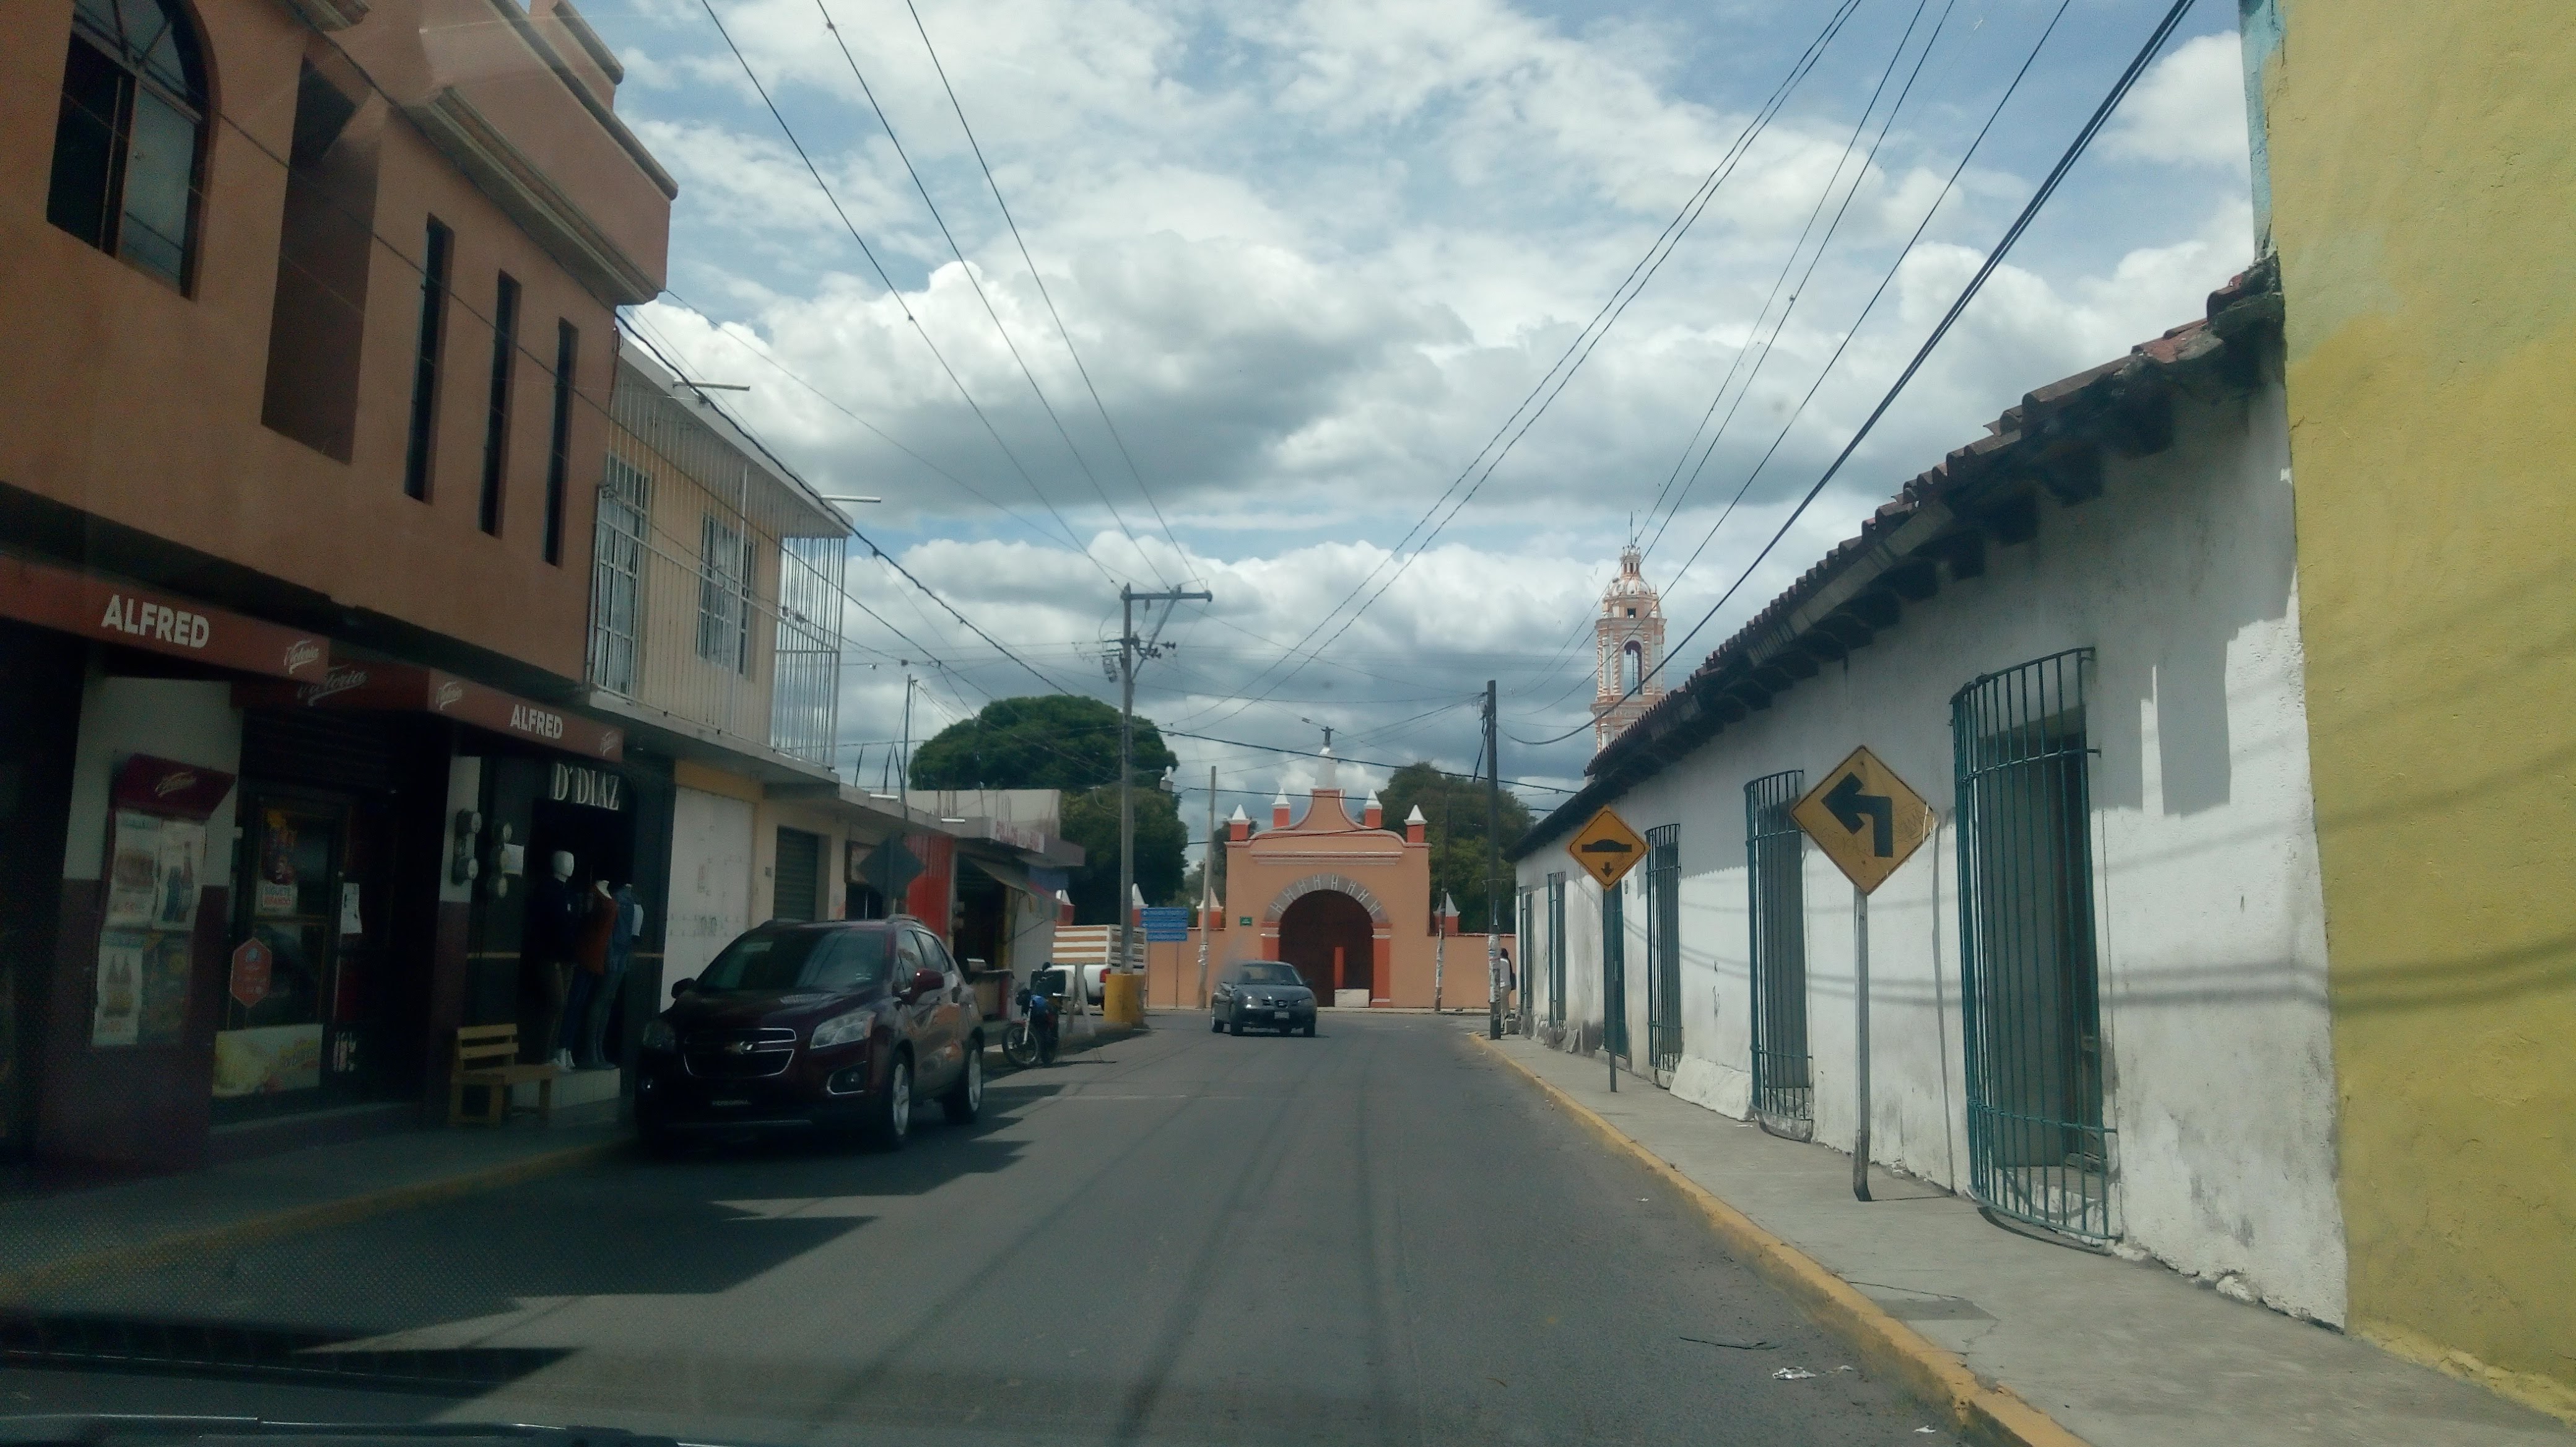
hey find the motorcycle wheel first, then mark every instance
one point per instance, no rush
(1020, 1046)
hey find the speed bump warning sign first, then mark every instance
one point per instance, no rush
(1606, 848)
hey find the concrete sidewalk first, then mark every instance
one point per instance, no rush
(2120, 1354)
(50, 1238)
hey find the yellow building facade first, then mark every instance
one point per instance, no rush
(2416, 176)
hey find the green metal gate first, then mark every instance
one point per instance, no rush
(2039, 1149)
(1775, 856)
(1664, 946)
(1556, 948)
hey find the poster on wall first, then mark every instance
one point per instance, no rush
(274, 895)
(116, 1015)
(134, 870)
(164, 1013)
(182, 861)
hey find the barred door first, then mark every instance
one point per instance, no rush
(1664, 946)
(1775, 856)
(1556, 948)
(2039, 1148)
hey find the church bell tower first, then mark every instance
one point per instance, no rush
(1628, 639)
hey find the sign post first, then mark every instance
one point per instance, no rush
(1607, 849)
(1867, 821)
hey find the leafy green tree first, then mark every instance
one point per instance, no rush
(1453, 808)
(1052, 741)
(1091, 820)
(1068, 742)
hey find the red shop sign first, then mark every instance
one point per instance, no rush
(166, 786)
(252, 964)
(356, 684)
(155, 621)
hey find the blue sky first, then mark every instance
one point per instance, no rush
(1313, 254)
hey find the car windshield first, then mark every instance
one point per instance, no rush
(577, 844)
(799, 959)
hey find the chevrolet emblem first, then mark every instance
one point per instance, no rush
(737, 1047)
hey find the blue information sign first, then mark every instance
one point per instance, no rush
(1166, 924)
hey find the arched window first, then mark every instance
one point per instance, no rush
(1632, 666)
(131, 138)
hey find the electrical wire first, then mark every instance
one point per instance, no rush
(1039, 277)
(1562, 372)
(828, 400)
(887, 281)
(2047, 187)
(972, 280)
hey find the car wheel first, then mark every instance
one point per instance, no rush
(1234, 1027)
(965, 1100)
(890, 1114)
(1217, 1024)
(1309, 1031)
(658, 1142)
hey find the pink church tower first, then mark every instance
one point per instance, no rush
(1628, 638)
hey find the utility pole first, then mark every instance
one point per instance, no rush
(903, 773)
(1131, 651)
(1207, 884)
(1493, 873)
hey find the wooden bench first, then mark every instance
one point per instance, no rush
(488, 1056)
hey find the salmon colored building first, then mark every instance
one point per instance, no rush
(1347, 901)
(311, 312)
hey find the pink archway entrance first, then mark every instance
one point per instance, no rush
(1331, 940)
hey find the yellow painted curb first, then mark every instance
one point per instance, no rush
(233, 1235)
(1985, 1411)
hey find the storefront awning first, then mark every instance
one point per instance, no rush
(1014, 876)
(112, 611)
(408, 687)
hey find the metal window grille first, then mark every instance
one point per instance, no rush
(1775, 857)
(617, 579)
(1664, 946)
(1528, 921)
(804, 715)
(1556, 948)
(724, 620)
(2039, 1148)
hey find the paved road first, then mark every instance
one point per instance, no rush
(1380, 1235)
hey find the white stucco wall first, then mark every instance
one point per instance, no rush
(711, 881)
(2208, 911)
(184, 720)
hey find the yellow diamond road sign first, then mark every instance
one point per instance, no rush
(1865, 819)
(1606, 848)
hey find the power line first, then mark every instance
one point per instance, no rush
(891, 290)
(2047, 187)
(1364, 763)
(1035, 275)
(870, 544)
(972, 280)
(1886, 124)
(1579, 350)
(828, 400)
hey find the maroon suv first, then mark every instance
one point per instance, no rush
(834, 1026)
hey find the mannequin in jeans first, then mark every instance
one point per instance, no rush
(623, 928)
(595, 916)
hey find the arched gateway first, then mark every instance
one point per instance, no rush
(1329, 927)
(1343, 896)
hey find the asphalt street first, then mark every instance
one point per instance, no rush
(1380, 1235)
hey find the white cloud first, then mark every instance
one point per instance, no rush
(1313, 255)
(2188, 109)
